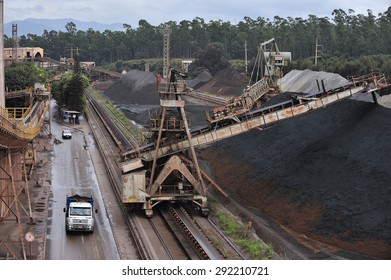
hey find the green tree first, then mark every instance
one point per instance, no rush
(71, 90)
(212, 58)
(22, 76)
(343, 35)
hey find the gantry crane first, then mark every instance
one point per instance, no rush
(172, 177)
(268, 68)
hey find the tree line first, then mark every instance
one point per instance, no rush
(346, 41)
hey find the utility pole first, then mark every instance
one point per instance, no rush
(245, 56)
(77, 51)
(166, 31)
(71, 61)
(15, 42)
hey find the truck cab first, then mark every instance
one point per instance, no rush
(79, 213)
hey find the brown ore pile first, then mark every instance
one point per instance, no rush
(325, 176)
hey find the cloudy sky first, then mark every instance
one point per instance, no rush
(156, 12)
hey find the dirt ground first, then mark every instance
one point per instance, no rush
(321, 178)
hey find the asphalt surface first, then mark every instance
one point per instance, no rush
(66, 167)
(73, 172)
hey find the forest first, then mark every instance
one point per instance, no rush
(346, 43)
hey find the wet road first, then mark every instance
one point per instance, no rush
(73, 173)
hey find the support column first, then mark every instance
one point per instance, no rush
(2, 79)
(11, 189)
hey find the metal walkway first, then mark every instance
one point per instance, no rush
(18, 126)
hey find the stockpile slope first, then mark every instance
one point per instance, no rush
(139, 87)
(226, 82)
(136, 94)
(325, 175)
(134, 87)
(308, 81)
(200, 80)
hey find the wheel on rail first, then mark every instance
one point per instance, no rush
(204, 212)
(149, 213)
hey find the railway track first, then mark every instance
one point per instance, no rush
(121, 136)
(108, 148)
(173, 234)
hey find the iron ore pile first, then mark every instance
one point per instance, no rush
(322, 180)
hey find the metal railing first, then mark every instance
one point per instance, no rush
(177, 87)
(23, 123)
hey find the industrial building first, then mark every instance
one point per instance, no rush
(22, 54)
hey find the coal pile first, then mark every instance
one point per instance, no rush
(200, 80)
(136, 94)
(134, 87)
(325, 175)
(227, 82)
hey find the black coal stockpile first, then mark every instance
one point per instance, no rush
(136, 94)
(326, 174)
(134, 87)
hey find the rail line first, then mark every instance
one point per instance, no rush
(161, 239)
(187, 227)
(105, 144)
(116, 128)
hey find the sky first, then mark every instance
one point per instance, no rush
(157, 12)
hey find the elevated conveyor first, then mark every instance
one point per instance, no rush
(260, 118)
(243, 103)
(18, 126)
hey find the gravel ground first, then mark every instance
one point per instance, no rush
(324, 176)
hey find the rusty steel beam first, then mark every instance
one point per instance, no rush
(263, 120)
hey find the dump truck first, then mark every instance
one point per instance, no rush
(79, 213)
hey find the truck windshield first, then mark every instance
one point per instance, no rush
(80, 211)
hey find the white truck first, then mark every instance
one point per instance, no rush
(79, 213)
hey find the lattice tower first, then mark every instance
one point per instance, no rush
(166, 31)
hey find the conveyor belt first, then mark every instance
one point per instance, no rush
(260, 118)
(17, 132)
